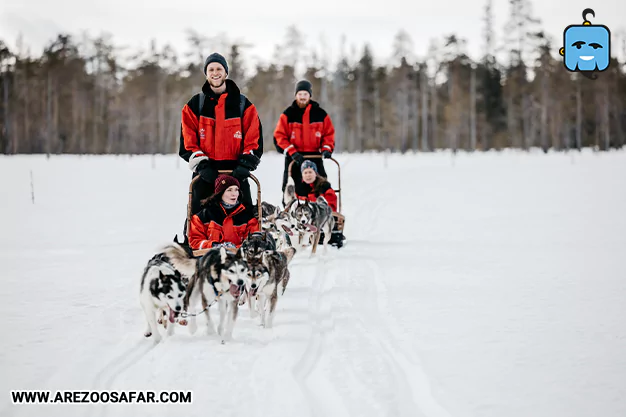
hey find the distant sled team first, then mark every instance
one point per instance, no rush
(236, 253)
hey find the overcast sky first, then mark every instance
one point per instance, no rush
(263, 23)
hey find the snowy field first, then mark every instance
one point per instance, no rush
(486, 285)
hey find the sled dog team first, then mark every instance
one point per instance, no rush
(176, 286)
(247, 258)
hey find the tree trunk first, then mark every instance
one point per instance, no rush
(434, 112)
(473, 110)
(359, 112)
(377, 116)
(7, 115)
(544, 111)
(424, 89)
(415, 116)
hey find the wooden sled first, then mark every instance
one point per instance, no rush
(200, 252)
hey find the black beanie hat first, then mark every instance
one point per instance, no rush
(215, 57)
(304, 85)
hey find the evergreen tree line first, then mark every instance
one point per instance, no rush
(85, 96)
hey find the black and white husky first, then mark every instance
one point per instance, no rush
(267, 279)
(312, 218)
(277, 265)
(256, 243)
(164, 279)
(307, 218)
(274, 224)
(220, 277)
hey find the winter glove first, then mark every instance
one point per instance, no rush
(196, 159)
(249, 161)
(326, 154)
(298, 158)
(207, 173)
(241, 172)
(224, 245)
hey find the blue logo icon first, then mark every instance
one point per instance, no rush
(586, 47)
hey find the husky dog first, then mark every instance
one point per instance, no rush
(162, 290)
(258, 275)
(276, 263)
(256, 243)
(269, 211)
(220, 276)
(286, 222)
(313, 218)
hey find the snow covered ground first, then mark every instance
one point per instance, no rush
(485, 285)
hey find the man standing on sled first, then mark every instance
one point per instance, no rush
(304, 129)
(220, 130)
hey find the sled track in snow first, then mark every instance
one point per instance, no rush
(306, 364)
(321, 398)
(116, 366)
(413, 385)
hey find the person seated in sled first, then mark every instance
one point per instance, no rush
(223, 219)
(314, 185)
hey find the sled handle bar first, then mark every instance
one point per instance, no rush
(228, 172)
(338, 190)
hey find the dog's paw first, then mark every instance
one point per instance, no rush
(147, 334)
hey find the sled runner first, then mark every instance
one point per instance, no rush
(339, 218)
(200, 252)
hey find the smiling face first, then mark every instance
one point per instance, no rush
(215, 74)
(587, 48)
(303, 98)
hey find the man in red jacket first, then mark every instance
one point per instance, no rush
(223, 132)
(304, 129)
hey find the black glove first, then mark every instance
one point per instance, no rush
(298, 158)
(240, 172)
(249, 161)
(207, 173)
(326, 154)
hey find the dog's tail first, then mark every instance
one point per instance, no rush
(289, 253)
(321, 200)
(290, 192)
(182, 258)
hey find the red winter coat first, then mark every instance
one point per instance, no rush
(307, 131)
(222, 134)
(216, 224)
(306, 192)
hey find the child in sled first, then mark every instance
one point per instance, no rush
(314, 185)
(223, 220)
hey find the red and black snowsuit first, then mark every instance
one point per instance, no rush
(307, 192)
(221, 134)
(216, 224)
(308, 131)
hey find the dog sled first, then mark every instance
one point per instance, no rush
(200, 252)
(339, 217)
